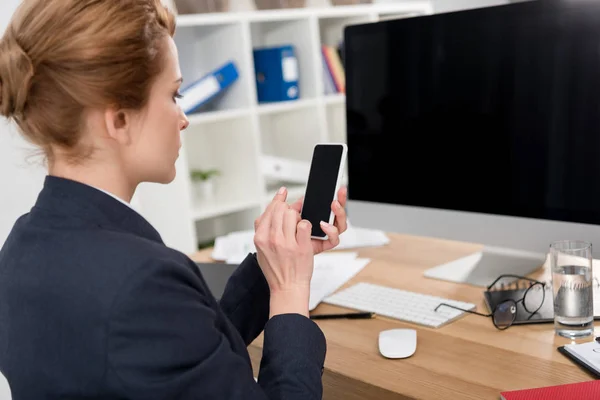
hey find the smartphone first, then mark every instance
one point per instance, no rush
(324, 179)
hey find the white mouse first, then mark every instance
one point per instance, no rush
(398, 343)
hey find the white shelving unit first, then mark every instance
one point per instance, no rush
(236, 130)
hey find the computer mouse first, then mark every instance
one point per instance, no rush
(398, 343)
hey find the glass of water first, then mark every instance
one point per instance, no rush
(572, 288)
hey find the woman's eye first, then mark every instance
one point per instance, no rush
(178, 95)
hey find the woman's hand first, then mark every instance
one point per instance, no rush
(285, 255)
(333, 231)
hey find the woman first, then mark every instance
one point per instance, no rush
(93, 305)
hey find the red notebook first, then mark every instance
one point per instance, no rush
(580, 391)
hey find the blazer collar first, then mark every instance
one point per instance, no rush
(71, 198)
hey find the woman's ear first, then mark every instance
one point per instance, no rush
(118, 125)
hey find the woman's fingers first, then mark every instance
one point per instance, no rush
(264, 220)
(333, 234)
(303, 235)
(340, 216)
(343, 196)
(285, 255)
(290, 224)
(277, 236)
(298, 204)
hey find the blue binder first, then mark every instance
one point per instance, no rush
(208, 87)
(277, 75)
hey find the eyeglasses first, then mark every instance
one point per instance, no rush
(505, 313)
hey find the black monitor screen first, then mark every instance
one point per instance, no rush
(494, 110)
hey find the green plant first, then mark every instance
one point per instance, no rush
(203, 175)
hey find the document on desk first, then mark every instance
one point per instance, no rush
(234, 247)
(361, 237)
(586, 355)
(331, 272)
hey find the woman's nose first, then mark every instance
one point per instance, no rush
(185, 122)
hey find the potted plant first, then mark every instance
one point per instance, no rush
(203, 181)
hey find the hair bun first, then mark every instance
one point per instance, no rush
(16, 74)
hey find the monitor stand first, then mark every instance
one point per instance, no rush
(483, 267)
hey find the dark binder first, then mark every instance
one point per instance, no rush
(584, 364)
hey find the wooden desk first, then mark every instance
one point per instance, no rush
(467, 359)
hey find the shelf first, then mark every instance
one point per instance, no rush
(285, 106)
(233, 131)
(296, 32)
(335, 99)
(366, 9)
(228, 147)
(217, 208)
(331, 30)
(202, 49)
(191, 20)
(291, 135)
(217, 116)
(412, 6)
(336, 119)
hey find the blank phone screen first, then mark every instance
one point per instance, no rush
(321, 187)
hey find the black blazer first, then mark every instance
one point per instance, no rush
(93, 305)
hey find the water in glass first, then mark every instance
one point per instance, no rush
(573, 301)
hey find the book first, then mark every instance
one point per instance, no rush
(335, 66)
(328, 83)
(341, 52)
(580, 391)
(586, 355)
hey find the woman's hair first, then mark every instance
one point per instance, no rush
(59, 58)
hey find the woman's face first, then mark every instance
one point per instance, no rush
(155, 134)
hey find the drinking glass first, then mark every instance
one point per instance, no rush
(572, 288)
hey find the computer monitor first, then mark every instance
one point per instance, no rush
(479, 125)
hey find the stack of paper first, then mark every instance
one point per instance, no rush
(332, 271)
(362, 237)
(233, 248)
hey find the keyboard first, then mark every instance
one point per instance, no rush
(399, 304)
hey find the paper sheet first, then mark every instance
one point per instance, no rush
(587, 352)
(332, 269)
(331, 272)
(233, 248)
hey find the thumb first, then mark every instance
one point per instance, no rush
(303, 234)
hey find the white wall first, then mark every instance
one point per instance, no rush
(20, 180)
(15, 194)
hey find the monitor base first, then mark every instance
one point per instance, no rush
(484, 267)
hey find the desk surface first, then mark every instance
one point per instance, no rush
(467, 359)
